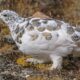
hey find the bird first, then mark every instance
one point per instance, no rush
(45, 39)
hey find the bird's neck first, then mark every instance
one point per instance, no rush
(13, 23)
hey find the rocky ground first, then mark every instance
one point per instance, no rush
(14, 67)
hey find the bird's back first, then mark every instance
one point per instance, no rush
(44, 35)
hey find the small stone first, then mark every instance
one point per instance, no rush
(27, 76)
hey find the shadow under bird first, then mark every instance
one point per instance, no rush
(44, 39)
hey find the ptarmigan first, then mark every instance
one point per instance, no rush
(44, 39)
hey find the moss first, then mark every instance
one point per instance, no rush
(22, 61)
(5, 31)
(44, 78)
(43, 67)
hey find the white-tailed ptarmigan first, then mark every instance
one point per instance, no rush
(44, 39)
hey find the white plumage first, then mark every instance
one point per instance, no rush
(44, 39)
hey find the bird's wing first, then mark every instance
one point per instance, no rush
(44, 33)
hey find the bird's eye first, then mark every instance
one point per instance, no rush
(5, 15)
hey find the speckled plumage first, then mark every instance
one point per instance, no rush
(44, 39)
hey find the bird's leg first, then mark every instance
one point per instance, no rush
(56, 62)
(34, 60)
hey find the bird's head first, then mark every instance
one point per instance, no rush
(8, 16)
